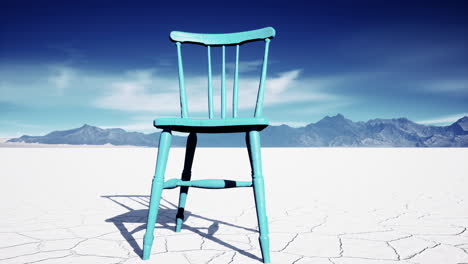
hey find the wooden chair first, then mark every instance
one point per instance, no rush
(251, 126)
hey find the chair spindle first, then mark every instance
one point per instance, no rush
(210, 86)
(183, 95)
(235, 94)
(261, 89)
(223, 85)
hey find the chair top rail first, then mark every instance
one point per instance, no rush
(223, 39)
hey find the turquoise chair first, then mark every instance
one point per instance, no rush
(250, 126)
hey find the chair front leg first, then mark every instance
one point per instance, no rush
(253, 147)
(186, 176)
(156, 191)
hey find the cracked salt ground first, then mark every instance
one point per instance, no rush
(331, 206)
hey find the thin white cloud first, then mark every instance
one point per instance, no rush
(145, 90)
(447, 86)
(283, 81)
(153, 93)
(245, 66)
(164, 62)
(142, 90)
(442, 120)
(61, 77)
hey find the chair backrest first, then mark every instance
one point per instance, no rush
(223, 40)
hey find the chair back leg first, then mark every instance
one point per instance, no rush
(156, 190)
(186, 176)
(255, 157)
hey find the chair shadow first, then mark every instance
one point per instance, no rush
(166, 219)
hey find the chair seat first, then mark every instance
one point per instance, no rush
(226, 125)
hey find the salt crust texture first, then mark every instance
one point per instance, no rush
(325, 205)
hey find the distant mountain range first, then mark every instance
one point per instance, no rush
(335, 131)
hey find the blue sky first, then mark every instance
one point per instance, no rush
(111, 64)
